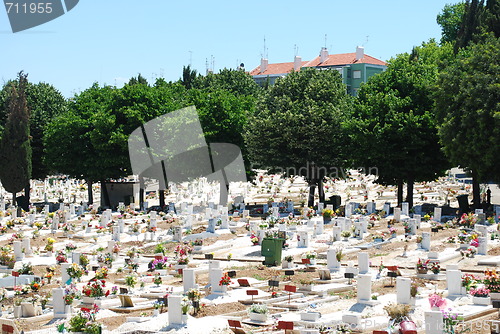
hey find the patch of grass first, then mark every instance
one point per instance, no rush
(258, 277)
(381, 254)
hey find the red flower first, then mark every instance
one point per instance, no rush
(84, 309)
(107, 293)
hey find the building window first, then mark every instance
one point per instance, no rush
(356, 74)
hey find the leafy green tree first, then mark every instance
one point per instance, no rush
(393, 127)
(189, 76)
(468, 110)
(479, 19)
(450, 20)
(235, 81)
(297, 127)
(15, 148)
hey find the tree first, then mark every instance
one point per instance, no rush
(189, 76)
(235, 81)
(450, 20)
(297, 127)
(15, 149)
(393, 127)
(467, 98)
(479, 19)
(44, 102)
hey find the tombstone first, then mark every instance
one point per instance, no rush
(190, 209)
(75, 257)
(116, 233)
(261, 235)
(171, 207)
(80, 210)
(189, 279)
(434, 322)
(145, 205)
(370, 207)
(58, 303)
(387, 208)
(211, 205)
(405, 209)
(224, 222)
(403, 287)
(319, 228)
(178, 233)
(418, 220)
(426, 241)
(183, 207)
(482, 229)
(189, 222)
(111, 245)
(478, 211)
(88, 228)
(26, 244)
(417, 209)
(55, 222)
(481, 219)
(31, 218)
(65, 278)
(363, 225)
(364, 288)
(437, 214)
(72, 210)
(497, 213)
(321, 206)
(363, 262)
(331, 259)
(454, 282)
(303, 239)
(276, 212)
(282, 227)
(61, 206)
(103, 222)
(174, 310)
(397, 214)
(215, 275)
(358, 230)
(152, 222)
(121, 225)
(348, 210)
(2, 204)
(289, 206)
(336, 233)
(46, 209)
(482, 249)
(265, 208)
(253, 227)
(413, 226)
(211, 226)
(152, 215)
(214, 264)
(18, 251)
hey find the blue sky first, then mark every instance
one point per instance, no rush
(109, 41)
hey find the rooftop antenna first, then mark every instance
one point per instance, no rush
(326, 38)
(264, 53)
(213, 63)
(366, 42)
(296, 50)
(206, 65)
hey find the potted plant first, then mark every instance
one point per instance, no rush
(327, 215)
(75, 271)
(397, 312)
(287, 262)
(157, 280)
(345, 234)
(157, 305)
(422, 266)
(311, 256)
(492, 282)
(225, 280)
(480, 296)
(258, 312)
(434, 267)
(85, 322)
(130, 281)
(306, 284)
(185, 306)
(94, 291)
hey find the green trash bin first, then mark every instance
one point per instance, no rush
(271, 249)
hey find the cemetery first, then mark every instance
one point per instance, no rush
(265, 263)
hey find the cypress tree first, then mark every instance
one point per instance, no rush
(15, 148)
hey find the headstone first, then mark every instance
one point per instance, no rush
(65, 278)
(121, 225)
(55, 222)
(454, 282)
(116, 233)
(59, 307)
(426, 241)
(145, 205)
(336, 233)
(497, 213)
(364, 288)
(152, 215)
(363, 224)
(403, 287)
(174, 310)
(111, 245)
(303, 239)
(483, 229)
(211, 225)
(290, 206)
(348, 210)
(331, 259)
(417, 209)
(363, 262)
(418, 220)
(75, 257)
(434, 322)
(481, 218)
(26, 244)
(482, 249)
(319, 227)
(370, 207)
(265, 208)
(18, 251)
(178, 233)
(215, 276)
(2, 204)
(437, 214)
(276, 212)
(46, 209)
(478, 211)
(412, 223)
(397, 214)
(72, 210)
(387, 208)
(80, 210)
(224, 222)
(189, 279)
(405, 209)
(152, 222)
(171, 207)
(261, 235)
(31, 218)
(321, 206)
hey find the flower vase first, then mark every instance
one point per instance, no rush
(68, 309)
(156, 312)
(17, 311)
(223, 288)
(481, 300)
(258, 317)
(184, 319)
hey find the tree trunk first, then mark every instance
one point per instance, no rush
(400, 193)
(161, 194)
(90, 193)
(321, 191)
(14, 203)
(141, 192)
(476, 195)
(27, 198)
(105, 195)
(312, 190)
(409, 192)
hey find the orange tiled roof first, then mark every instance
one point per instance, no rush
(333, 60)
